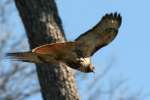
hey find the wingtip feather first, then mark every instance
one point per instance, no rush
(114, 16)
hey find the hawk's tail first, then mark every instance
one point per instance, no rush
(24, 56)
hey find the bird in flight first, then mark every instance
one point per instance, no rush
(77, 54)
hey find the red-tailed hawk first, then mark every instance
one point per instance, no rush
(77, 54)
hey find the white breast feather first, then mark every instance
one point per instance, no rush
(85, 61)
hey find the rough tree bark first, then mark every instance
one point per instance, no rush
(43, 25)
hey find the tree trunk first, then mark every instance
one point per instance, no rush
(43, 25)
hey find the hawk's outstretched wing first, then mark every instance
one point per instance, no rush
(100, 35)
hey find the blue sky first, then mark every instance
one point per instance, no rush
(129, 51)
(131, 47)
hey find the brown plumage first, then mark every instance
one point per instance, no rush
(75, 54)
(100, 35)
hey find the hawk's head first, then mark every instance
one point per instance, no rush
(85, 65)
(90, 68)
(87, 69)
